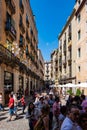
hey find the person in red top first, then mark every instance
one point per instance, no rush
(11, 106)
(23, 103)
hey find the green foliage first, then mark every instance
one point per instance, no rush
(69, 91)
(78, 92)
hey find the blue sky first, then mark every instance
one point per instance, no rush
(51, 16)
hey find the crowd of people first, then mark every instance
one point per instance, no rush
(71, 116)
(47, 112)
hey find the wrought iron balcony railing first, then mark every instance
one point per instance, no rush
(21, 25)
(11, 6)
(10, 29)
(21, 6)
(21, 42)
(8, 57)
(27, 38)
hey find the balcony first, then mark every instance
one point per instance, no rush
(32, 46)
(21, 6)
(60, 53)
(69, 58)
(27, 22)
(31, 31)
(10, 29)
(60, 64)
(56, 60)
(11, 6)
(8, 57)
(27, 37)
(64, 48)
(27, 51)
(64, 62)
(21, 42)
(21, 25)
(70, 43)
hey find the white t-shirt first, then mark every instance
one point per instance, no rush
(1, 99)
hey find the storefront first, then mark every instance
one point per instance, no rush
(27, 87)
(21, 85)
(8, 85)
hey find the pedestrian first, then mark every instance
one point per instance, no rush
(71, 120)
(32, 115)
(82, 122)
(22, 100)
(15, 104)
(11, 106)
(62, 115)
(1, 101)
(51, 102)
(44, 122)
(41, 102)
(56, 112)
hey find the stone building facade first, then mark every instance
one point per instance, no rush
(73, 47)
(54, 67)
(18, 48)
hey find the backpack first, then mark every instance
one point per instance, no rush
(39, 124)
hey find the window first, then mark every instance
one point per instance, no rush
(69, 33)
(20, 19)
(79, 18)
(79, 2)
(79, 52)
(21, 38)
(79, 34)
(79, 68)
(20, 3)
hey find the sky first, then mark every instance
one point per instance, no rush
(50, 17)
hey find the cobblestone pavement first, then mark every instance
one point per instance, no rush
(16, 124)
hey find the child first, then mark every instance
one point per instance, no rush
(1, 106)
(23, 103)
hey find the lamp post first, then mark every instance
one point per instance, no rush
(15, 49)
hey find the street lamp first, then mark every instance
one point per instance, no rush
(15, 49)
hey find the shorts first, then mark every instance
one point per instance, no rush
(11, 111)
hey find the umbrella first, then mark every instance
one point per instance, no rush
(83, 85)
(69, 85)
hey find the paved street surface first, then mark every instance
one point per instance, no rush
(16, 124)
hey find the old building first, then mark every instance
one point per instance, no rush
(73, 47)
(67, 52)
(41, 69)
(18, 47)
(54, 67)
(47, 74)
